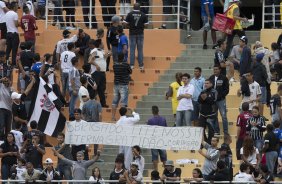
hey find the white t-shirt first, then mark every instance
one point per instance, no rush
(100, 60)
(255, 91)
(66, 58)
(242, 176)
(184, 103)
(10, 18)
(20, 172)
(18, 137)
(30, 6)
(82, 92)
(62, 45)
(251, 158)
(101, 180)
(2, 13)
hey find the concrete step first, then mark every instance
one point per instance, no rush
(189, 64)
(194, 40)
(218, 34)
(196, 52)
(205, 72)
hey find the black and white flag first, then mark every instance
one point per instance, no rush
(46, 111)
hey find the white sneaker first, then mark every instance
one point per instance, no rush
(141, 67)
(132, 67)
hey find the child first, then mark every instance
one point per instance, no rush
(18, 135)
(256, 127)
(17, 170)
(74, 85)
(275, 105)
(96, 176)
(241, 127)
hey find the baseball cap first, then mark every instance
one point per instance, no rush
(48, 161)
(259, 56)
(15, 95)
(223, 147)
(66, 32)
(169, 163)
(77, 110)
(244, 39)
(115, 19)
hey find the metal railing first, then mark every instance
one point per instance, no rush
(177, 14)
(269, 13)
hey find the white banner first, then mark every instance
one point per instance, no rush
(152, 137)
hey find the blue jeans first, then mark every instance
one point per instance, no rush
(183, 118)
(115, 53)
(221, 106)
(196, 111)
(73, 99)
(263, 98)
(259, 144)
(120, 94)
(58, 12)
(65, 82)
(65, 170)
(271, 158)
(139, 41)
(5, 170)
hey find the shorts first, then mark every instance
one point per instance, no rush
(207, 25)
(3, 31)
(168, 6)
(125, 8)
(156, 153)
(120, 94)
(263, 95)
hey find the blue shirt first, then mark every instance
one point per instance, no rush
(198, 86)
(203, 10)
(157, 121)
(121, 42)
(36, 67)
(278, 133)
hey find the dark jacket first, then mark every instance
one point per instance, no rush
(86, 55)
(112, 37)
(56, 175)
(245, 61)
(259, 72)
(207, 105)
(222, 86)
(82, 43)
(222, 175)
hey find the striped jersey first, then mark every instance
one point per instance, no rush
(256, 126)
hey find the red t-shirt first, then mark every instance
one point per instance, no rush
(28, 25)
(242, 122)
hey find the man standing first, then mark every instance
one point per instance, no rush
(86, 13)
(28, 25)
(62, 45)
(207, 13)
(127, 121)
(122, 43)
(234, 13)
(185, 106)
(122, 73)
(157, 120)
(221, 85)
(246, 57)
(198, 82)
(3, 27)
(113, 39)
(136, 21)
(82, 42)
(211, 157)
(108, 10)
(13, 39)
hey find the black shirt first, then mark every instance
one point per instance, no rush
(218, 59)
(275, 102)
(19, 111)
(5, 70)
(31, 133)
(112, 37)
(27, 60)
(122, 73)
(34, 156)
(175, 173)
(115, 176)
(136, 20)
(9, 160)
(272, 141)
(82, 43)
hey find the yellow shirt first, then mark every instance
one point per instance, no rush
(175, 86)
(229, 14)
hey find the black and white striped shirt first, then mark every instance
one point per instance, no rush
(256, 131)
(122, 71)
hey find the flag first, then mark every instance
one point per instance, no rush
(46, 111)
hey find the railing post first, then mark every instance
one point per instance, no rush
(46, 14)
(90, 14)
(178, 14)
(188, 14)
(263, 11)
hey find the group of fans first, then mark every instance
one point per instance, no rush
(195, 100)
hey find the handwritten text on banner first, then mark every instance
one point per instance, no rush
(156, 137)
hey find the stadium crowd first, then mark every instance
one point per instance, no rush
(195, 100)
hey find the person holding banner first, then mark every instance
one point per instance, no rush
(234, 13)
(128, 121)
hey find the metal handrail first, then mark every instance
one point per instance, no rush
(48, 18)
(264, 14)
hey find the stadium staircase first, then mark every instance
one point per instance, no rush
(165, 53)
